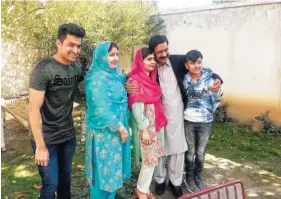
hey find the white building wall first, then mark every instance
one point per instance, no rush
(242, 43)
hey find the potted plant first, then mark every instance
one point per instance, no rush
(258, 122)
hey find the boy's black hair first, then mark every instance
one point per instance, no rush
(70, 29)
(193, 55)
(156, 40)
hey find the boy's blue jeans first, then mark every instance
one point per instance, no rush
(197, 136)
(56, 176)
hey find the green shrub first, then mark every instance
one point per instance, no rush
(269, 126)
(221, 114)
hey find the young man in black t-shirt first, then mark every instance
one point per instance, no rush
(52, 86)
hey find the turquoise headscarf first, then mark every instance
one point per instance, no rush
(99, 88)
(106, 100)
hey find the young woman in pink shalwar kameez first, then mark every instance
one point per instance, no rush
(148, 116)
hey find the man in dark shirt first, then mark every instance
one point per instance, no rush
(52, 87)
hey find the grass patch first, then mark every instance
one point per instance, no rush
(239, 143)
(18, 176)
(228, 140)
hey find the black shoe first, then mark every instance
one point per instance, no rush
(176, 190)
(200, 183)
(191, 186)
(160, 188)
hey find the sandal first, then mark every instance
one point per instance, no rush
(150, 196)
(135, 195)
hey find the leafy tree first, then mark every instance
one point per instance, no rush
(31, 27)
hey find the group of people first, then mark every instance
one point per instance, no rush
(168, 100)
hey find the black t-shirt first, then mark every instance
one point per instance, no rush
(59, 82)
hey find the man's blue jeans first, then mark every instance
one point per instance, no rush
(56, 176)
(197, 136)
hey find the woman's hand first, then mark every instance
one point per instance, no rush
(123, 133)
(145, 137)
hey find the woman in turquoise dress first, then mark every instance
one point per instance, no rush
(108, 157)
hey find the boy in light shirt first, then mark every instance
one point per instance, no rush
(198, 116)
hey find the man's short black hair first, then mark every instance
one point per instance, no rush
(193, 55)
(70, 29)
(156, 40)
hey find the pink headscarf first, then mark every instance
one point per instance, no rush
(149, 91)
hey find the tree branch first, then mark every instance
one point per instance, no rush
(22, 15)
